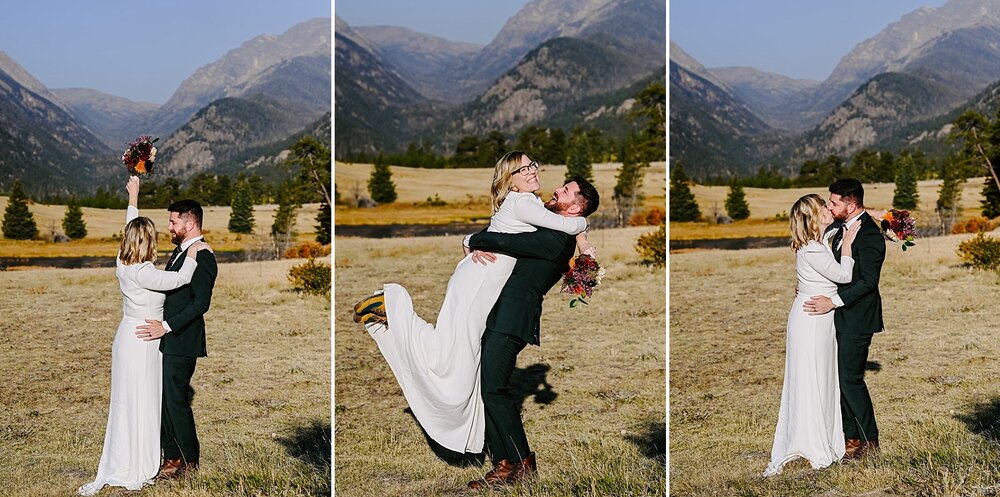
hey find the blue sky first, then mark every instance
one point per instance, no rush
(474, 21)
(134, 49)
(803, 39)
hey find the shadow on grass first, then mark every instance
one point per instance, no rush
(873, 366)
(652, 441)
(448, 456)
(310, 444)
(531, 382)
(527, 382)
(983, 418)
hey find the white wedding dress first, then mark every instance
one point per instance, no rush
(437, 366)
(809, 420)
(131, 456)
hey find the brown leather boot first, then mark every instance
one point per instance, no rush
(851, 448)
(170, 469)
(497, 476)
(526, 469)
(867, 448)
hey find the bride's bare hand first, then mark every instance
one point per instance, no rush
(199, 246)
(132, 187)
(851, 234)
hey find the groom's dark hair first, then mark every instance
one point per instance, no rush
(187, 207)
(588, 198)
(850, 190)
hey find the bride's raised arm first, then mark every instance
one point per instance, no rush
(151, 278)
(132, 187)
(531, 211)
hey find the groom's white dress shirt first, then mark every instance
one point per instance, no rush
(837, 301)
(183, 253)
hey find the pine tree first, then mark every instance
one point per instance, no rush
(991, 198)
(578, 162)
(629, 180)
(324, 227)
(18, 222)
(284, 217)
(283, 227)
(736, 203)
(241, 217)
(683, 207)
(905, 196)
(948, 196)
(380, 185)
(73, 223)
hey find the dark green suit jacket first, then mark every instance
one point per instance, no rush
(862, 309)
(542, 257)
(185, 308)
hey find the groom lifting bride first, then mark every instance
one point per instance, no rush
(456, 374)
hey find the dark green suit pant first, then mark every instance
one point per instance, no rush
(505, 436)
(178, 438)
(855, 401)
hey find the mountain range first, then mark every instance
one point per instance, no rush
(890, 90)
(561, 62)
(250, 100)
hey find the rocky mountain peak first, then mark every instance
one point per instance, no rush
(240, 66)
(25, 79)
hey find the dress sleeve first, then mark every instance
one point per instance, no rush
(529, 210)
(131, 212)
(151, 278)
(825, 264)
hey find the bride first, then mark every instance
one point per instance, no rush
(437, 366)
(131, 455)
(809, 420)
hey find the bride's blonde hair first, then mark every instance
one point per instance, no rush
(139, 242)
(804, 220)
(503, 177)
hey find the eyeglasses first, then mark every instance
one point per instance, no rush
(526, 170)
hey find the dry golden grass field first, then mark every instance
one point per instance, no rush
(262, 402)
(102, 224)
(465, 191)
(766, 203)
(594, 392)
(932, 375)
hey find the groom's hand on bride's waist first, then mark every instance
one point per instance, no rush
(818, 304)
(152, 330)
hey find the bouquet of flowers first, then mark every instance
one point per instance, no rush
(582, 278)
(899, 226)
(140, 155)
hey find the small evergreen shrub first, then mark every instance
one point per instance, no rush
(311, 277)
(981, 252)
(652, 247)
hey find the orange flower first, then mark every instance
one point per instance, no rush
(887, 216)
(141, 167)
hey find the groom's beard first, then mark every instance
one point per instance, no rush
(177, 238)
(557, 207)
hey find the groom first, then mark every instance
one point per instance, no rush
(182, 334)
(542, 257)
(858, 314)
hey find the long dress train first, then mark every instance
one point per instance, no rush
(437, 366)
(131, 454)
(809, 419)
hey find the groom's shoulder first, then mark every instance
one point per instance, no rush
(206, 258)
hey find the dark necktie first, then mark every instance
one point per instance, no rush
(838, 237)
(173, 255)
